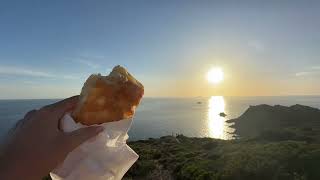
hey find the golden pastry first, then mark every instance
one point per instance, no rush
(108, 98)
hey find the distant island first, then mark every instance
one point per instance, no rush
(273, 142)
(222, 114)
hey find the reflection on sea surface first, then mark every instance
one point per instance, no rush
(217, 127)
(156, 117)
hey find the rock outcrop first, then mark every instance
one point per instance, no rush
(261, 118)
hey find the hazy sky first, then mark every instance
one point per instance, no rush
(48, 48)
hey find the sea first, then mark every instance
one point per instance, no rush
(156, 117)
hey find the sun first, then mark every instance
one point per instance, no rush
(215, 75)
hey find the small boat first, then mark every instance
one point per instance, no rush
(222, 114)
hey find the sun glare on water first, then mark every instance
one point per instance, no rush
(217, 126)
(215, 75)
(215, 122)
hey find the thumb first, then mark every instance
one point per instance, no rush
(79, 136)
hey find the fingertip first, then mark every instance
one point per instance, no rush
(30, 114)
(75, 96)
(73, 99)
(66, 105)
(71, 102)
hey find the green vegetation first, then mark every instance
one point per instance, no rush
(183, 158)
(186, 158)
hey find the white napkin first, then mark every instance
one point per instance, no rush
(107, 156)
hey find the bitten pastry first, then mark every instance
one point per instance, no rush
(108, 98)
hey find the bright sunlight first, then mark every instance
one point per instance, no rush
(215, 75)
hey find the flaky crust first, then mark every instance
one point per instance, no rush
(108, 98)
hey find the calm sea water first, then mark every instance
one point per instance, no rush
(155, 117)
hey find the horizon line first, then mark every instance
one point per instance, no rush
(176, 97)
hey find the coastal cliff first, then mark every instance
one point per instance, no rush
(296, 122)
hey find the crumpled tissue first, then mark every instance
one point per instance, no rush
(107, 156)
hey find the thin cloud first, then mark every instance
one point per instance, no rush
(304, 73)
(29, 82)
(315, 67)
(87, 62)
(70, 77)
(19, 71)
(311, 71)
(22, 71)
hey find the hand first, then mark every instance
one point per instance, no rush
(36, 145)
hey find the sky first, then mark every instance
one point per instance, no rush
(49, 48)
